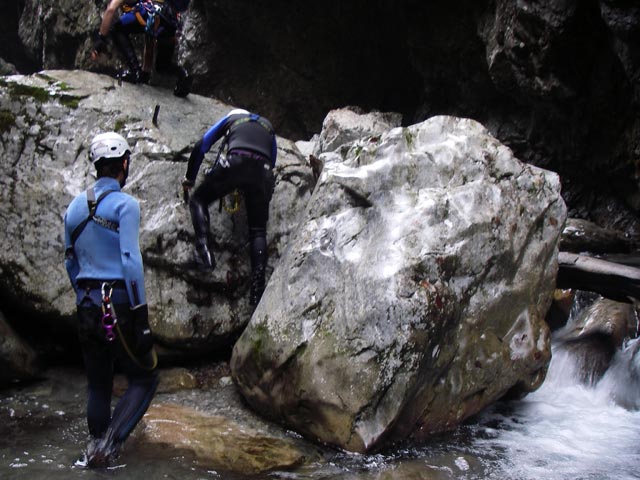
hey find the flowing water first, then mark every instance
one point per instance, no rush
(562, 431)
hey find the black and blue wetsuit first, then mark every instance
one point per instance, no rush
(251, 155)
(109, 251)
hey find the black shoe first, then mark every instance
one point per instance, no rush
(204, 258)
(130, 76)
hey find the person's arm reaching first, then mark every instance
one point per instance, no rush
(109, 14)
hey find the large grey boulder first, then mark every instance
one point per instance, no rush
(344, 126)
(413, 293)
(46, 123)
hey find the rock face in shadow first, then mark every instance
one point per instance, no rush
(18, 361)
(413, 293)
(555, 81)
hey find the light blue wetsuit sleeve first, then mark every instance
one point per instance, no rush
(212, 135)
(130, 252)
(70, 260)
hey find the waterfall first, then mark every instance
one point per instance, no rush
(569, 429)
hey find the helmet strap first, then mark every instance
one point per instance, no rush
(124, 174)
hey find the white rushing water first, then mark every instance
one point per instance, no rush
(566, 430)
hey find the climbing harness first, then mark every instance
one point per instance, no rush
(222, 160)
(110, 323)
(252, 118)
(109, 319)
(92, 204)
(151, 14)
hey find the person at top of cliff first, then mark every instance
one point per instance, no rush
(245, 162)
(104, 264)
(160, 21)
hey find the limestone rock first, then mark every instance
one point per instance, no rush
(346, 125)
(220, 443)
(46, 123)
(413, 293)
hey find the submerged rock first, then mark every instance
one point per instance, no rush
(413, 293)
(597, 334)
(219, 442)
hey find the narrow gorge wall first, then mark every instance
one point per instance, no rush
(555, 81)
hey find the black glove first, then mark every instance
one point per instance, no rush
(100, 43)
(141, 329)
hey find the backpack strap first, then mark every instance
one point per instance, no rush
(92, 203)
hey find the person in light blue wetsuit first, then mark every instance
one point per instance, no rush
(249, 149)
(103, 260)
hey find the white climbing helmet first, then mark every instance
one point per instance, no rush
(237, 111)
(108, 145)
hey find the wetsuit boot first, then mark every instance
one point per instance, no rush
(205, 258)
(200, 220)
(258, 245)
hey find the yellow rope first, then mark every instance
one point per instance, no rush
(133, 357)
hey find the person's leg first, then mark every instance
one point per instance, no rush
(148, 58)
(257, 200)
(165, 64)
(128, 24)
(142, 383)
(215, 185)
(99, 368)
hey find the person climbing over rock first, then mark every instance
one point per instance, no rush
(104, 265)
(246, 158)
(160, 21)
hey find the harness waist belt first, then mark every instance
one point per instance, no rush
(97, 284)
(249, 154)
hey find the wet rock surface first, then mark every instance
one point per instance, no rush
(414, 292)
(48, 122)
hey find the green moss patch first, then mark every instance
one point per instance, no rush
(37, 93)
(7, 120)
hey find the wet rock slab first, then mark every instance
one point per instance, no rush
(219, 442)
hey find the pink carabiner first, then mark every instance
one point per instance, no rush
(108, 322)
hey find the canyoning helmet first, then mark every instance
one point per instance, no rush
(108, 145)
(237, 111)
